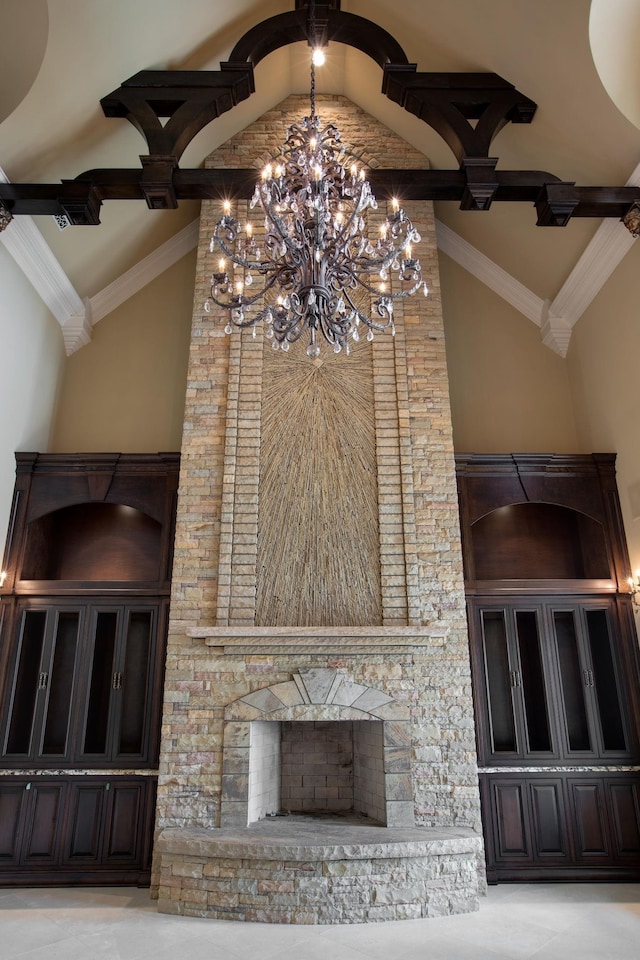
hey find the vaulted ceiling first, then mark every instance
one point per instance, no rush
(61, 57)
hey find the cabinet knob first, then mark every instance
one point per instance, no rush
(42, 681)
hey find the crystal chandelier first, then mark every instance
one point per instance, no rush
(316, 266)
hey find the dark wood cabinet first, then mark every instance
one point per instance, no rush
(562, 826)
(83, 618)
(555, 668)
(75, 829)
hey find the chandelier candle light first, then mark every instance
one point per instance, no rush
(316, 259)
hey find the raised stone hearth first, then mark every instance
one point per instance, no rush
(318, 872)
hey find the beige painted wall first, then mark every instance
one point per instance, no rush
(509, 393)
(603, 363)
(124, 391)
(32, 363)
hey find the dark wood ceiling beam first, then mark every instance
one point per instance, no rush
(447, 102)
(554, 200)
(190, 99)
(331, 25)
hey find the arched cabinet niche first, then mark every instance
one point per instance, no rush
(93, 542)
(539, 541)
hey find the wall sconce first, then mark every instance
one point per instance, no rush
(634, 588)
(3, 577)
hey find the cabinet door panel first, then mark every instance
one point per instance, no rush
(60, 684)
(26, 682)
(590, 819)
(101, 682)
(123, 828)
(11, 806)
(85, 820)
(42, 826)
(547, 811)
(511, 818)
(134, 684)
(498, 673)
(625, 820)
(572, 679)
(607, 692)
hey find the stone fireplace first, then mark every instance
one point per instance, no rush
(311, 751)
(318, 758)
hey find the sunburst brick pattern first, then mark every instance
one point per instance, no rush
(318, 546)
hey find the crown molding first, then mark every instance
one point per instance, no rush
(610, 244)
(556, 331)
(24, 242)
(608, 247)
(489, 273)
(148, 269)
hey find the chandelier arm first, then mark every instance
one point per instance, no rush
(251, 321)
(344, 231)
(261, 266)
(365, 266)
(290, 327)
(280, 228)
(368, 322)
(393, 295)
(245, 301)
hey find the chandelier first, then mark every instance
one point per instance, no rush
(315, 267)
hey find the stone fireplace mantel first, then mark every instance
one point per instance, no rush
(343, 640)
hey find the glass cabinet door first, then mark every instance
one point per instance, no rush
(551, 685)
(516, 687)
(499, 682)
(120, 674)
(592, 694)
(604, 684)
(531, 682)
(104, 630)
(574, 682)
(41, 693)
(60, 685)
(134, 683)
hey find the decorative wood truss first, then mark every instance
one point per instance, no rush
(467, 110)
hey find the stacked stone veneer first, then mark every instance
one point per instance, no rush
(278, 878)
(415, 653)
